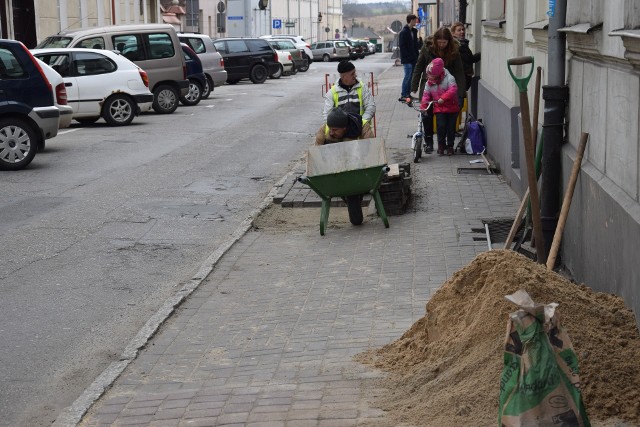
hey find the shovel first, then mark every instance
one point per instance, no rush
(522, 83)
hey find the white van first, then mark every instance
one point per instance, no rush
(153, 47)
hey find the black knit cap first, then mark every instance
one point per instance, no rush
(337, 119)
(345, 66)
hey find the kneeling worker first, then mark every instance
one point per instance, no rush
(343, 127)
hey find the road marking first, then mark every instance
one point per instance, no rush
(68, 131)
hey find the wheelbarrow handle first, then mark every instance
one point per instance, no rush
(521, 82)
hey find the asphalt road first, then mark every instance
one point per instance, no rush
(107, 223)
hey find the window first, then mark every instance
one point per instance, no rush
(160, 45)
(237, 46)
(196, 44)
(10, 68)
(88, 63)
(59, 62)
(259, 45)
(130, 46)
(92, 43)
(219, 45)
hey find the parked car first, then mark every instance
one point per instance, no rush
(299, 42)
(247, 58)
(100, 83)
(364, 45)
(372, 47)
(330, 50)
(286, 64)
(153, 47)
(196, 76)
(299, 62)
(355, 50)
(212, 61)
(60, 95)
(28, 115)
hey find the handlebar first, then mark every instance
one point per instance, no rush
(416, 106)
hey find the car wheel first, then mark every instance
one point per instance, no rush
(294, 70)
(326, 58)
(304, 68)
(87, 120)
(165, 99)
(258, 74)
(207, 89)
(194, 95)
(278, 73)
(18, 144)
(118, 110)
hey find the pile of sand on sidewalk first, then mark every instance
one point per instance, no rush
(445, 370)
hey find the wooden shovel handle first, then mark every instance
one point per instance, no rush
(566, 203)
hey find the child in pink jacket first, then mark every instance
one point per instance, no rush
(442, 89)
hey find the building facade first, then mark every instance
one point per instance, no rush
(595, 78)
(30, 21)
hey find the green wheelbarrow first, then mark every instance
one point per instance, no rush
(347, 170)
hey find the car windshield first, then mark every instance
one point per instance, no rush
(54, 41)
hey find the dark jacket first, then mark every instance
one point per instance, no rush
(427, 54)
(408, 44)
(468, 59)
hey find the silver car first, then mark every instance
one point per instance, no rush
(330, 50)
(212, 62)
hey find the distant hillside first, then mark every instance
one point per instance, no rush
(352, 10)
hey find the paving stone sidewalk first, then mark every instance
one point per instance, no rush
(268, 338)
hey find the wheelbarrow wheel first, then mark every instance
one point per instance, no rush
(354, 206)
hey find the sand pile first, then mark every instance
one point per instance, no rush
(446, 368)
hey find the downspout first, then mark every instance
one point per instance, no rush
(462, 14)
(556, 96)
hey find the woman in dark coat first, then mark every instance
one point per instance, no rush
(468, 58)
(440, 45)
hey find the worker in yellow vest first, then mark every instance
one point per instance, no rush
(350, 95)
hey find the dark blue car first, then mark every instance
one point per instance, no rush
(28, 114)
(196, 76)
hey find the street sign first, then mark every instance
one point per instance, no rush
(276, 24)
(235, 18)
(289, 24)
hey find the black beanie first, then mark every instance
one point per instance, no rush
(337, 119)
(345, 66)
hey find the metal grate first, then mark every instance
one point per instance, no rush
(499, 229)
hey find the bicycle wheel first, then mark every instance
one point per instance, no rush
(417, 148)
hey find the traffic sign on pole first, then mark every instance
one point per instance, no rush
(277, 24)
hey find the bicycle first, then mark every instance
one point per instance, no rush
(419, 139)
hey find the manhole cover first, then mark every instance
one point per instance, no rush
(473, 171)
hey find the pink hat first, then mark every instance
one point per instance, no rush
(436, 68)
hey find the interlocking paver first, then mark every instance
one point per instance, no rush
(267, 339)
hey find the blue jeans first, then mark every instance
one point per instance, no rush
(406, 81)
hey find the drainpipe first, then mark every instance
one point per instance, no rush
(556, 96)
(462, 14)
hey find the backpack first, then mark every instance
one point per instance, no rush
(476, 142)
